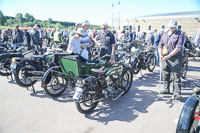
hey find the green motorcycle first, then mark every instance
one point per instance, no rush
(58, 78)
(111, 82)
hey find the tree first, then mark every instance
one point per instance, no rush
(31, 18)
(50, 20)
(58, 25)
(19, 18)
(27, 17)
(29, 24)
(2, 18)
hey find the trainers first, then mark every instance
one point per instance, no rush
(164, 92)
(177, 97)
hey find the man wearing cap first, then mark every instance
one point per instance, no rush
(171, 62)
(36, 36)
(75, 41)
(86, 40)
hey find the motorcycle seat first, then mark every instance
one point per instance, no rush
(100, 71)
(38, 56)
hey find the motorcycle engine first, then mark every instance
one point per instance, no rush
(110, 89)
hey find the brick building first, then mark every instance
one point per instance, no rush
(187, 21)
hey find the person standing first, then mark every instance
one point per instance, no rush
(86, 40)
(156, 43)
(36, 36)
(107, 40)
(17, 37)
(75, 42)
(171, 57)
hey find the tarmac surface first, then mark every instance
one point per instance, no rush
(141, 110)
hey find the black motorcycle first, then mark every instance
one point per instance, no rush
(29, 70)
(190, 115)
(6, 59)
(143, 59)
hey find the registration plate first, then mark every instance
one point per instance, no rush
(77, 93)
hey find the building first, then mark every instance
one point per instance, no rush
(187, 21)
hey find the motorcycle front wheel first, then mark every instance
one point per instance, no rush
(87, 101)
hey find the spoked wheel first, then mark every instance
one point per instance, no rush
(88, 101)
(126, 80)
(5, 67)
(136, 66)
(194, 123)
(56, 86)
(152, 63)
(184, 70)
(22, 76)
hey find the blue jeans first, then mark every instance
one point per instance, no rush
(157, 57)
(15, 46)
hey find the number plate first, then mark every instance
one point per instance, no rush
(77, 93)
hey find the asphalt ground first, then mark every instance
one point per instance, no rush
(142, 110)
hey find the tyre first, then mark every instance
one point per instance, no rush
(152, 63)
(21, 75)
(56, 85)
(136, 66)
(5, 67)
(87, 103)
(184, 69)
(187, 123)
(126, 80)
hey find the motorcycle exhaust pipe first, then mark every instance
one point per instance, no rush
(35, 78)
(36, 72)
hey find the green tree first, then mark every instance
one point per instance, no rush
(58, 25)
(31, 18)
(19, 18)
(50, 20)
(27, 17)
(2, 18)
(29, 24)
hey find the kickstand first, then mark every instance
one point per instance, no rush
(32, 87)
(7, 75)
(11, 76)
(141, 74)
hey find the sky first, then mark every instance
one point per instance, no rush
(95, 11)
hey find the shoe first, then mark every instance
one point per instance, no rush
(164, 92)
(177, 97)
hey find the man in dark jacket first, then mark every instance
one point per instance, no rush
(27, 39)
(6, 35)
(36, 36)
(17, 37)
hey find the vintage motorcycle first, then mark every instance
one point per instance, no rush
(143, 59)
(111, 82)
(190, 114)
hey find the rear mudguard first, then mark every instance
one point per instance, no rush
(47, 75)
(186, 115)
(24, 62)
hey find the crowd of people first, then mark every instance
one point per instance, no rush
(81, 39)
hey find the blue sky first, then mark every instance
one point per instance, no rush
(96, 11)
